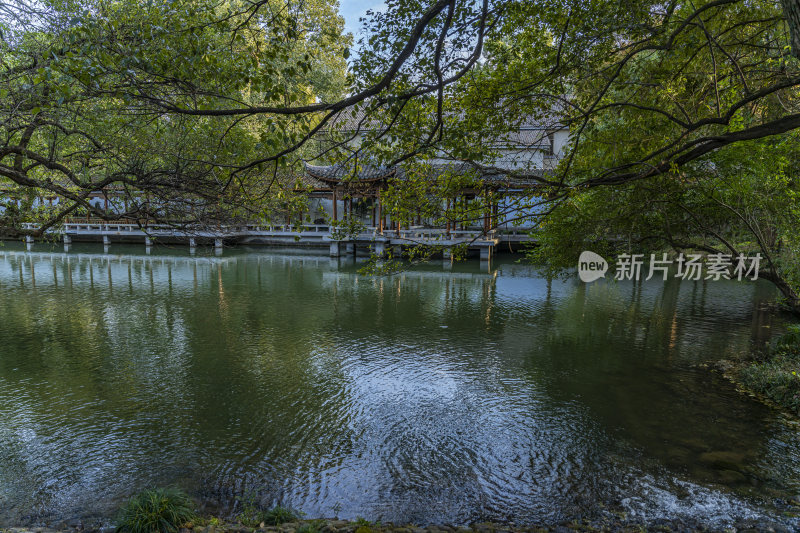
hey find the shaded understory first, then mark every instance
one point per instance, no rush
(777, 376)
(772, 377)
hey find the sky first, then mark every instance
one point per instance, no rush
(351, 10)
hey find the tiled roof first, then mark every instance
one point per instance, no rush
(339, 172)
(529, 178)
(322, 177)
(531, 131)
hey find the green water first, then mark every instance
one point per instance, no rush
(438, 395)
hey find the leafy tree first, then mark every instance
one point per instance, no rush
(684, 133)
(743, 200)
(78, 78)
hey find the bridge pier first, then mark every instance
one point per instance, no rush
(335, 249)
(106, 240)
(379, 249)
(67, 239)
(192, 242)
(148, 242)
(486, 257)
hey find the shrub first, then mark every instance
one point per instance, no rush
(156, 511)
(778, 377)
(789, 343)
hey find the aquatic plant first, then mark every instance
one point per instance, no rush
(156, 511)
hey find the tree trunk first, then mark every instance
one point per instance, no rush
(792, 298)
(791, 10)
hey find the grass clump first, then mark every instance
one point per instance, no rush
(365, 526)
(156, 511)
(778, 376)
(253, 516)
(315, 526)
(280, 515)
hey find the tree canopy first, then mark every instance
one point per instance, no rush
(82, 84)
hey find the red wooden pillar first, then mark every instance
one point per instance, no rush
(487, 206)
(381, 216)
(447, 216)
(463, 202)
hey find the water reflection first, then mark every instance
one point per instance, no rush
(445, 394)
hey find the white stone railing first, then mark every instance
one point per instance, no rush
(311, 231)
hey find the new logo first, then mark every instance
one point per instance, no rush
(591, 266)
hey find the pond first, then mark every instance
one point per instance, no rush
(439, 395)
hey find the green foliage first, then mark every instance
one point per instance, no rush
(84, 86)
(736, 201)
(252, 514)
(365, 526)
(314, 526)
(778, 377)
(346, 228)
(280, 515)
(789, 342)
(361, 521)
(156, 511)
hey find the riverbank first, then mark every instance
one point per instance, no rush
(613, 522)
(774, 377)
